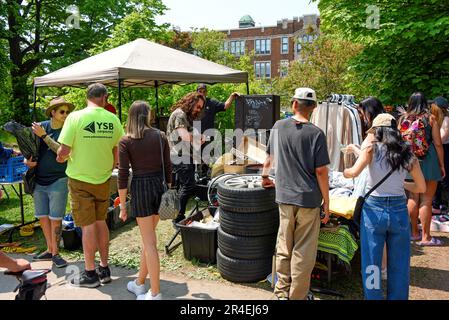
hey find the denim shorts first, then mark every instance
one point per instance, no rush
(51, 201)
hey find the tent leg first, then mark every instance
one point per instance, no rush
(156, 85)
(120, 99)
(34, 104)
(247, 88)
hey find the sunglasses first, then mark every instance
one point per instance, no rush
(67, 112)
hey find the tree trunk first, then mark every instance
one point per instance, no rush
(20, 100)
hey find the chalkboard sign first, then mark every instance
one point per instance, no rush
(257, 111)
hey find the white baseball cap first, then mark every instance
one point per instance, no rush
(305, 94)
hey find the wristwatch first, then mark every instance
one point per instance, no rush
(44, 136)
(264, 176)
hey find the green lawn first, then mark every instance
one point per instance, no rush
(7, 139)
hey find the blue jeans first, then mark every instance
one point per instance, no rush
(50, 201)
(385, 220)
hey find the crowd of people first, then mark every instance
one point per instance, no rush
(82, 148)
(402, 161)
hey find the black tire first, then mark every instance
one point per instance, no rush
(246, 203)
(246, 247)
(244, 193)
(249, 224)
(243, 271)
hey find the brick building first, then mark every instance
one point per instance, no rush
(274, 46)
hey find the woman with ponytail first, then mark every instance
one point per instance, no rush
(384, 215)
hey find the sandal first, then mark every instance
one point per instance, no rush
(432, 243)
(417, 238)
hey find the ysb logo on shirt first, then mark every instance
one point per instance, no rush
(100, 127)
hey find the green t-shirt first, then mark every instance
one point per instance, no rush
(92, 133)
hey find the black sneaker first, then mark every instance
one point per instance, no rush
(44, 256)
(104, 273)
(58, 261)
(86, 281)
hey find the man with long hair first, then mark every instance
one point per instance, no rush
(181, 133)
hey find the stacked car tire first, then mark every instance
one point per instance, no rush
(249, 222)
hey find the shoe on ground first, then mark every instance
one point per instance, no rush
(86, 281)
(104, 274)
(44, 256)
(149, 296)
(133, 287)
(58, 261)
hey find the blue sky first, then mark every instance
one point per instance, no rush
(225, 14)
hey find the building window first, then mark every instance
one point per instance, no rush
(305, 38)
(298, 47)
(237, 47)
(262, 70)
(263, 46)
(284, 45)
(225, 46)
(284, 68)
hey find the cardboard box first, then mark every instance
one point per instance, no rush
(254, 151)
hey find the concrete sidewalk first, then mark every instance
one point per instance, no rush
(172, 287)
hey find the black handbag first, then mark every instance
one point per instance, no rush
(361, 200)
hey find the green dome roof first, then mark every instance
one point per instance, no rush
(246, 19)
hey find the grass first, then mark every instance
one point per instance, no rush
(125, 252)
(7, 139)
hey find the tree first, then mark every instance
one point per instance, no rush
(405, 44)
(43, 36)
(179, 40)
(322, 65)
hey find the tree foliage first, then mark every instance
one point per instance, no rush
(323, 65)
(405, 44)
(43, 36)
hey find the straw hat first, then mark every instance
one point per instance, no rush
(382, 120)
(58, 102)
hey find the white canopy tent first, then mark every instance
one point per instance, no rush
(141, 63)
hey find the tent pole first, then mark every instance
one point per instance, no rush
(156, 85)
(119, 99)
(247, 88)
(34, 103)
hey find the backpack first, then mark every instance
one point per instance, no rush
(413, 131)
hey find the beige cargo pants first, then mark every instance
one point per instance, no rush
(296, 250)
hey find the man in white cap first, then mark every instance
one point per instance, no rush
(298, 150)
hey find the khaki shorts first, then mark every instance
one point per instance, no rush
(89, 202)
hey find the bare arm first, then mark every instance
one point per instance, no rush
(436, 136)
(364, 160)
(322, 175)
(268, 164)
(63, 153)
(13, 264)
(231, 98)
(39, 131)
(444, 131)
(419, 183)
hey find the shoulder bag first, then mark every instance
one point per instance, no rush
(170, 203)
(361, 200)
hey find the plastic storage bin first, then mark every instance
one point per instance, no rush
(71, 239)
(12, 170)
(113, 221)
(197, 242)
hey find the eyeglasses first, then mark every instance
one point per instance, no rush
(67, 112)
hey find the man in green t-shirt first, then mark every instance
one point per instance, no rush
(89, 141)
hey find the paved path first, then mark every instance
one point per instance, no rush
(172, 287)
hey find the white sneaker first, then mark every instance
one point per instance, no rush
(384, 274)
(135, 288)
(149, 296)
